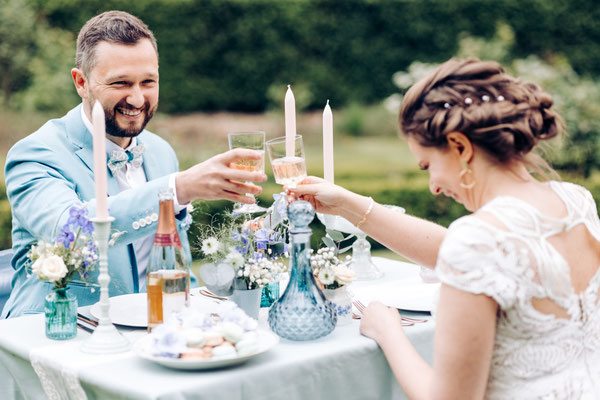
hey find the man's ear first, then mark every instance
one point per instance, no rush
(80, 82)
(461, 145)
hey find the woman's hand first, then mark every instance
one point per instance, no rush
(325, 197)
(379, 321)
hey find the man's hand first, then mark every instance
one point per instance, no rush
(213, 179)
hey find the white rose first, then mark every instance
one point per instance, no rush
(344, 275)
(52, 268)
(37, 266)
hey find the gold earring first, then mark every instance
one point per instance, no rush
(466, 171)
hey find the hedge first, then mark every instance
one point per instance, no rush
(240, 54)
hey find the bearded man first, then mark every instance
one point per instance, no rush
(51, 170)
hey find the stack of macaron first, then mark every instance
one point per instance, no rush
(224, 331)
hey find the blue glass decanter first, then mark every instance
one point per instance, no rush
(302, 313)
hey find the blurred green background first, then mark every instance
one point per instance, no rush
(225, 65)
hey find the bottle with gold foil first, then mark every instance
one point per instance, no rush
(168, 273)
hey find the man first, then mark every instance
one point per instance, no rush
(52, 169)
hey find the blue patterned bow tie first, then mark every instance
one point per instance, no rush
(119, 158)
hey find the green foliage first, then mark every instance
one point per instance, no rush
(576, 97)
(17, 46)
(240, 54)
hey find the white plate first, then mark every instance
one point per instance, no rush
(132, 309)
(267, 340)
(411, 294)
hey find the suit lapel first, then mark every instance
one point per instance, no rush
(82, 138)
(151, 158)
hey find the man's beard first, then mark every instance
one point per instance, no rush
(113, 128)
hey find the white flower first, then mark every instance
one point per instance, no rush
(235, 259)
(210, 246)
(343, 274)
(326, 277)
(52, 268)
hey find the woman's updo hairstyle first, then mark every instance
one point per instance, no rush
(497, 112)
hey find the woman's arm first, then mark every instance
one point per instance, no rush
(412, 237)
(464, 341)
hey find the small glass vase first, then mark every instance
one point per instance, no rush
(60, 309)
(302, 312)
(246, 299)
(342, 301)
(270, 294)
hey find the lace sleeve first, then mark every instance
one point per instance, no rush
(477, 258)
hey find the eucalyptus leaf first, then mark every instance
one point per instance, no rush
(337, 236)
(329, 242)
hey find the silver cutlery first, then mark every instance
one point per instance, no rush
(406, 320)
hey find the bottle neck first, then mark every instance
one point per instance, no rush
(300, 260)
(166, 232)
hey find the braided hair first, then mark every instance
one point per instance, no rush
(497, 112)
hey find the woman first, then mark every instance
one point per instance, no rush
(518, 313)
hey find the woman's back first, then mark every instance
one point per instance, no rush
(544, 273)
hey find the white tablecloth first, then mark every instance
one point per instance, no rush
(342, 365)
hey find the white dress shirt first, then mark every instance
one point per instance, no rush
(132, 177)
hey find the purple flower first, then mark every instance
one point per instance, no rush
(65, 237)
(88, 227)
(78, 216)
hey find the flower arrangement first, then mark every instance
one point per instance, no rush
(72, 254)
(329, 271)
(253, 247)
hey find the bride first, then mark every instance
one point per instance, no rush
(518, 314)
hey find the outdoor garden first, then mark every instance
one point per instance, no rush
(225, 66)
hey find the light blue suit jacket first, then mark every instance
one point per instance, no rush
(51, 170)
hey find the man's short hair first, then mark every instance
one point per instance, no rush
(110, 26)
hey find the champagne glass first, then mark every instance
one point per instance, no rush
(254, 141)
(289, 165)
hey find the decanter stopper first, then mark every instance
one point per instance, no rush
(302, 312)
(301, 213)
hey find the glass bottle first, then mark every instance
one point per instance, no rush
(302, 313)
(168, 273)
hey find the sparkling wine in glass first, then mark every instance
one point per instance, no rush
(254, 141)
(289, 165)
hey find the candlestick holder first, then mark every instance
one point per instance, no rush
(106, 339)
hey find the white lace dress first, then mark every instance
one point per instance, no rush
(536, 355)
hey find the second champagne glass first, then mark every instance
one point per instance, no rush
(254, 141)
(289, 165)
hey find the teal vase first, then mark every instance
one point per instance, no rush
(60, 309)
(270, 294)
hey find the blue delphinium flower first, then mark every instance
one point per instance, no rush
(78, 216)
(88, 228)
(65, 237)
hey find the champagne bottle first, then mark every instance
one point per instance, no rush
(168, 273)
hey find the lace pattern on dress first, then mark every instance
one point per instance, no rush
(536, 355)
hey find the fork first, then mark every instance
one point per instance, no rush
(361, 307)
(206, 293)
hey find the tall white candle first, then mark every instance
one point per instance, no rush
(290, 122)
(328, 143)
(98, 123)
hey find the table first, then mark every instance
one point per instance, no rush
(342, 365)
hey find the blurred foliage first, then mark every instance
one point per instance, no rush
(576, 97)
(17, 46)
(240, 54)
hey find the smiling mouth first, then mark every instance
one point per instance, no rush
(129, 113)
